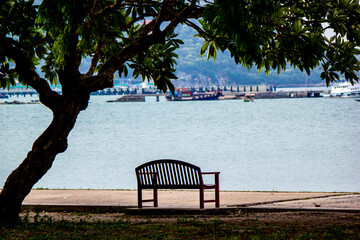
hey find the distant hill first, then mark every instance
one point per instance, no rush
(193, 70)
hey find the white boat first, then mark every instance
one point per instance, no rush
(345, 89)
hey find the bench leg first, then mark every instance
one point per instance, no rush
(155, 197)
(201, 198)
(217, 198)
(139, 198)
(217, 191)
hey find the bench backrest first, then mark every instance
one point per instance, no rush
(168, 173)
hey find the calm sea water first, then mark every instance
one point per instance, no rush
(280, 145)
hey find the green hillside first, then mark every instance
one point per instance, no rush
(193, 70)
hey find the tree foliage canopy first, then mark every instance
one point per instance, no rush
(270, 34)
(138, 34)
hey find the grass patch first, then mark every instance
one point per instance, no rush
(44, 227)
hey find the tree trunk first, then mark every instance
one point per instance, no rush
(38, 161)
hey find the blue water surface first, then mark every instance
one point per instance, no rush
(269, 145)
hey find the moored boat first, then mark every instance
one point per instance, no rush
(190, 95)
(345, 89)
(249, 97)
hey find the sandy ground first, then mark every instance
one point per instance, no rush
(190, 199)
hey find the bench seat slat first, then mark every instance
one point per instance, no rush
(192, 178)
(178, 174)
(162, 171)
(183, 174)
(187, 175)
(173, 177)
(156, 169)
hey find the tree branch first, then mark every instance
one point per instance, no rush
(198, 29)
(97, 13)
(95, 59)
(96, 6)
(168, 13)
(27, 72)
(191, 11)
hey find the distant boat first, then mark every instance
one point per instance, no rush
(190, 95)
(345, 89)
(249, 97)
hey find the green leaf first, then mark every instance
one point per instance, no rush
(204, 48)
(123, 70)
(211, 52)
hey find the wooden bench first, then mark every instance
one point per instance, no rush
(173, 174)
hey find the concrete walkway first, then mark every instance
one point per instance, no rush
(121, 200)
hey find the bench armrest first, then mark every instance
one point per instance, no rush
(211, 173)
(212, 186)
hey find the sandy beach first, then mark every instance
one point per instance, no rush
(190, 199)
